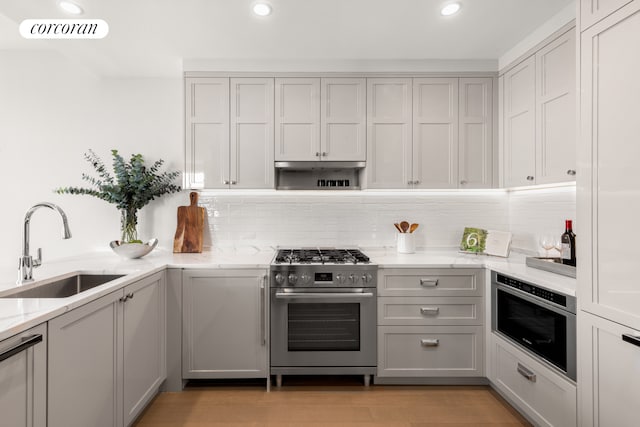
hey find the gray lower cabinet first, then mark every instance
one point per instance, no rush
(23, 379)
(430, 324)
(544, 397)
(107, 358)
(224, 320)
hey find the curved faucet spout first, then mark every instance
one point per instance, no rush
(26, 262)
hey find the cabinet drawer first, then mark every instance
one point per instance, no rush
(548, 398)
(430, 311)
(430, 282)
(435, 351)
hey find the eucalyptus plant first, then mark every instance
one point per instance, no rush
(131, 187)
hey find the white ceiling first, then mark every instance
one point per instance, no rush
(153, 37)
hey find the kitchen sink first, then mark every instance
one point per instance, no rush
(63, 288)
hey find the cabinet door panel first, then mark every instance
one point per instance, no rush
(475, 157)
(389, 151)
(144, 344)
(207, 132)
(556, 111)
(610, 380)
(297, 119)
(343, 106)
(611, 89)
(224, 324)
(85, 360)
(23, 382)
(252, 140)
(435, 133)
(519, 124)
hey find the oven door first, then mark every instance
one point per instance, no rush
(323, 327)
(543, 329)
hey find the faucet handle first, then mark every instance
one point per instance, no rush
(38, 261)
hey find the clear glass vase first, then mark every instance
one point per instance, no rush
(129, 225)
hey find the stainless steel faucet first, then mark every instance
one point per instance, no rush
(26, 263)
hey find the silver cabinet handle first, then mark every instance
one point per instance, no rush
(233, 182)
(317, 154)
(225, 182)
(337, 295)
(529, 178)
(525, 372)
(263, 310)
(409, 182)
(429, 310)
(324, 154)
(429, 283)
(463, 182)
(571, 172)
(434, 342)
(631, 339)
(22, 345)
(416, 182)
(126, 297)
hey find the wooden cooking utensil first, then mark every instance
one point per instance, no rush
(189, 232)
(413, 227)
(404, 225)
(397, 227)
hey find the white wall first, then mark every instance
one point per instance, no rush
(51, 113)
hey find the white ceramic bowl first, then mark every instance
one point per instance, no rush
(133, 250)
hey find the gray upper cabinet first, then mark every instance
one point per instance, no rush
(297, 119)
(343, 135)
(207, 132)
(229, 132)
(539, 116)
(320, 119)
(435, 133)
(389, 142)
(519, 103)
(556, 110)
(475, 133)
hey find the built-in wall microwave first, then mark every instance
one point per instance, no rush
(539, 320)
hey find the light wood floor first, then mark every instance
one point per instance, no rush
(330, 402)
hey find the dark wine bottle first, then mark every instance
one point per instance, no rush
(568, 240)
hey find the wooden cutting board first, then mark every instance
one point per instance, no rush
(190, 229)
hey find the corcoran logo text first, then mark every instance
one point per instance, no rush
(64, 29)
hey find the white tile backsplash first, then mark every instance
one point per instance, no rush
(533, 213)
(366, 219)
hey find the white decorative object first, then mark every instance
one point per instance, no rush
(133, 250)
(406, 243)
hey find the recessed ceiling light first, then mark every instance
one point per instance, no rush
(262, 9)
(450, 9)
(70, 7)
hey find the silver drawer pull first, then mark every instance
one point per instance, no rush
(429, 310)
(429, 282)
(23, 344)
(434, 342)
(526, 373)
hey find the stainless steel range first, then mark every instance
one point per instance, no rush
(323, 313)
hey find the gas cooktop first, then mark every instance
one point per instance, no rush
(320, 256)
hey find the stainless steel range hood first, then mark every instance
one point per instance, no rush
(318, 175)
(319, 165)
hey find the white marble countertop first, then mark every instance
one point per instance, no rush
(17, 315)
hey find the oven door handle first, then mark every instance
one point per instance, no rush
(331, 295)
